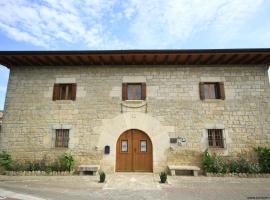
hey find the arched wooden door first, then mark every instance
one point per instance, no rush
(134, 152)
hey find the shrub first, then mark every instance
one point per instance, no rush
(49, 169)
(56, 166)
(233, 166)
(207, 161)
(163, 177)
(5, 160)
(254, 168)
(102, 177)
(66, 162)
(16, 166)
(214, 163)
(219, 165)
(244, 165)
(32, 166)
(263, 154)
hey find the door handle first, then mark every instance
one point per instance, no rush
(135, 150)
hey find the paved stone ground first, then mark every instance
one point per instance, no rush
(133, 186)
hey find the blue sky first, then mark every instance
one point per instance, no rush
(131, 24)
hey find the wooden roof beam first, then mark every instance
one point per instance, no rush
(80, 60)
(176, 60)
(91, 60)
(61, 60)
(20, 60)
(101, 60)
(197, 61)
(71, 60)
(209, 60)
(242, 58)
(154, 60)
(133, 60)
(218, 57)
(187, 59)
(144, 59)
(165, 60)
(221, 59)
(28, 60)
(123, 60)
(263, 60)
(11, 60)
(232, 60)
(40, 61)
(112, 60)
(252, 58)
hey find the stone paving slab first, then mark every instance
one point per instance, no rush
(132, 181)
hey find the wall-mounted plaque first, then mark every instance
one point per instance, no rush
(173, 140)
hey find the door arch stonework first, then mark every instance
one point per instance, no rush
(111, 129)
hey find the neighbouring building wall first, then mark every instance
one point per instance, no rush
(1, 118)
(174, 109)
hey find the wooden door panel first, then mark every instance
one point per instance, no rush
(142, 160)
(124, 158)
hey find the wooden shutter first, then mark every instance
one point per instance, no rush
(124, 91)
(56, 92)
(201, 90)
(73, 91)
(143, 91)
(221, 90)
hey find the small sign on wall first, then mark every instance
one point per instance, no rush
(178, 140)
(173, 140)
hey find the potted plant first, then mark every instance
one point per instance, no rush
(102, 176)
(163, 177)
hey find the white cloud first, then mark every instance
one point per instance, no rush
(101, 24)
(164, 23)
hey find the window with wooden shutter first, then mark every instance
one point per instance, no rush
(133, 91)
(64, 91)
(56, 92)
(143, 91)
(61, 138)
(221, 90)
(212, 90)
(201, 90)
(73, 91)
(124, 91)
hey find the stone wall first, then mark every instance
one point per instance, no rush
(173, 109)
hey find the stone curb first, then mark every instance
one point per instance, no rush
(38, 173)
(242, 175)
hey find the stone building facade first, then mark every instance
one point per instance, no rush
(173, 115)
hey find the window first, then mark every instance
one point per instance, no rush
(215, 138)
(143, 146)
(64, 91)
(214, 90)
(62, 138)
(124, 146)
(133, 91)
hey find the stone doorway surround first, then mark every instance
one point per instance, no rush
(111, 129)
